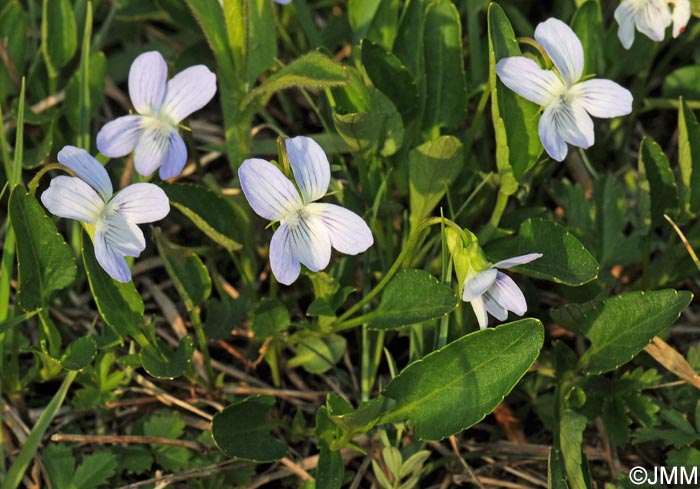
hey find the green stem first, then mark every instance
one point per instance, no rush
(480, 108)
(203, 347)
(26, 455)
(490, 228)
(413, 240)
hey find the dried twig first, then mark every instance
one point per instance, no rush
(190, 445)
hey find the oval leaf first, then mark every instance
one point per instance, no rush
(188, 273)
(413, 296)
(564, 258)
(163, 363)
(619, 328)
(454, 387)
(242, 430)
(79, 354)
(59, 34)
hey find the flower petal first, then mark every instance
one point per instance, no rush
(72, 198)
(87, 169)
(653, 19)
(603, 98)
(348, 232)
(188, 91)
(476, 284)
(508, 295)
(147, 77)
(494, 308)
(563, 46)
(176, 158)
(112, 262)
(527, 79)
(552, 141)
(480, 312)
(119, 137)
(624, 15)
(680, 16)
(517, 260)
(121, 235)
(141, 202)
(152, 149)
(309, 163)
(310, 242)
(574, 124)
(284, 266)
(269, 192)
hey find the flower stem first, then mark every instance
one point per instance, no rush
(414, 239)
(202, 342)
(501, 202)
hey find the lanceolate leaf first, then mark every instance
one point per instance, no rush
(59, 35)
(619, 328)
(188, 273)
(654, 166)
(453, 388)
(120, 304)
(413, 296)
(242, 430)
(446, 85)
(515, 119)
(209, 211)
(45, 262)
(312, 70)
(688, 159)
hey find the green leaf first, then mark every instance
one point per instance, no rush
(571, 427)
(163, 363)
(587, 24)
(432, 166)
(45, 262)
(330, 469)
(59, 463)
(683, 82)
(311, 71)
(120, 304)
(380, 128)
(59, 34)
(655, 168)
(619, 328)
(453, 388)
(98, 72)
(95, 470)
(555, 471)
(413, 296)
(223, 316)
(564, 258)
(79, 354)
(515, 119)
(270, 317)
(14, 23)
(242, 430)
(409, 39)
(10, 323)
(318, 355)
(391, 77)
(688, 159)
(186, 270)
(374, 19)
(446, 85)
(167, 426)
(209, 211)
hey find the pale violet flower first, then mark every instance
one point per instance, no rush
(89, 198)
(567, 100)
(651, 18)
(160, 104)
(308, 229)
(493, 292)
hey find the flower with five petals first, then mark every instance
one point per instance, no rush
(651, 18)
(152, 133)
(493, 292)
(567, 100)
(308, 229)
(111, 218)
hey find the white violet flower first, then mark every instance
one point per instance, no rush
(89, 198)
(567, 100)
(153, 134)
(493, 292)
(651, 18)
(307, 229)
